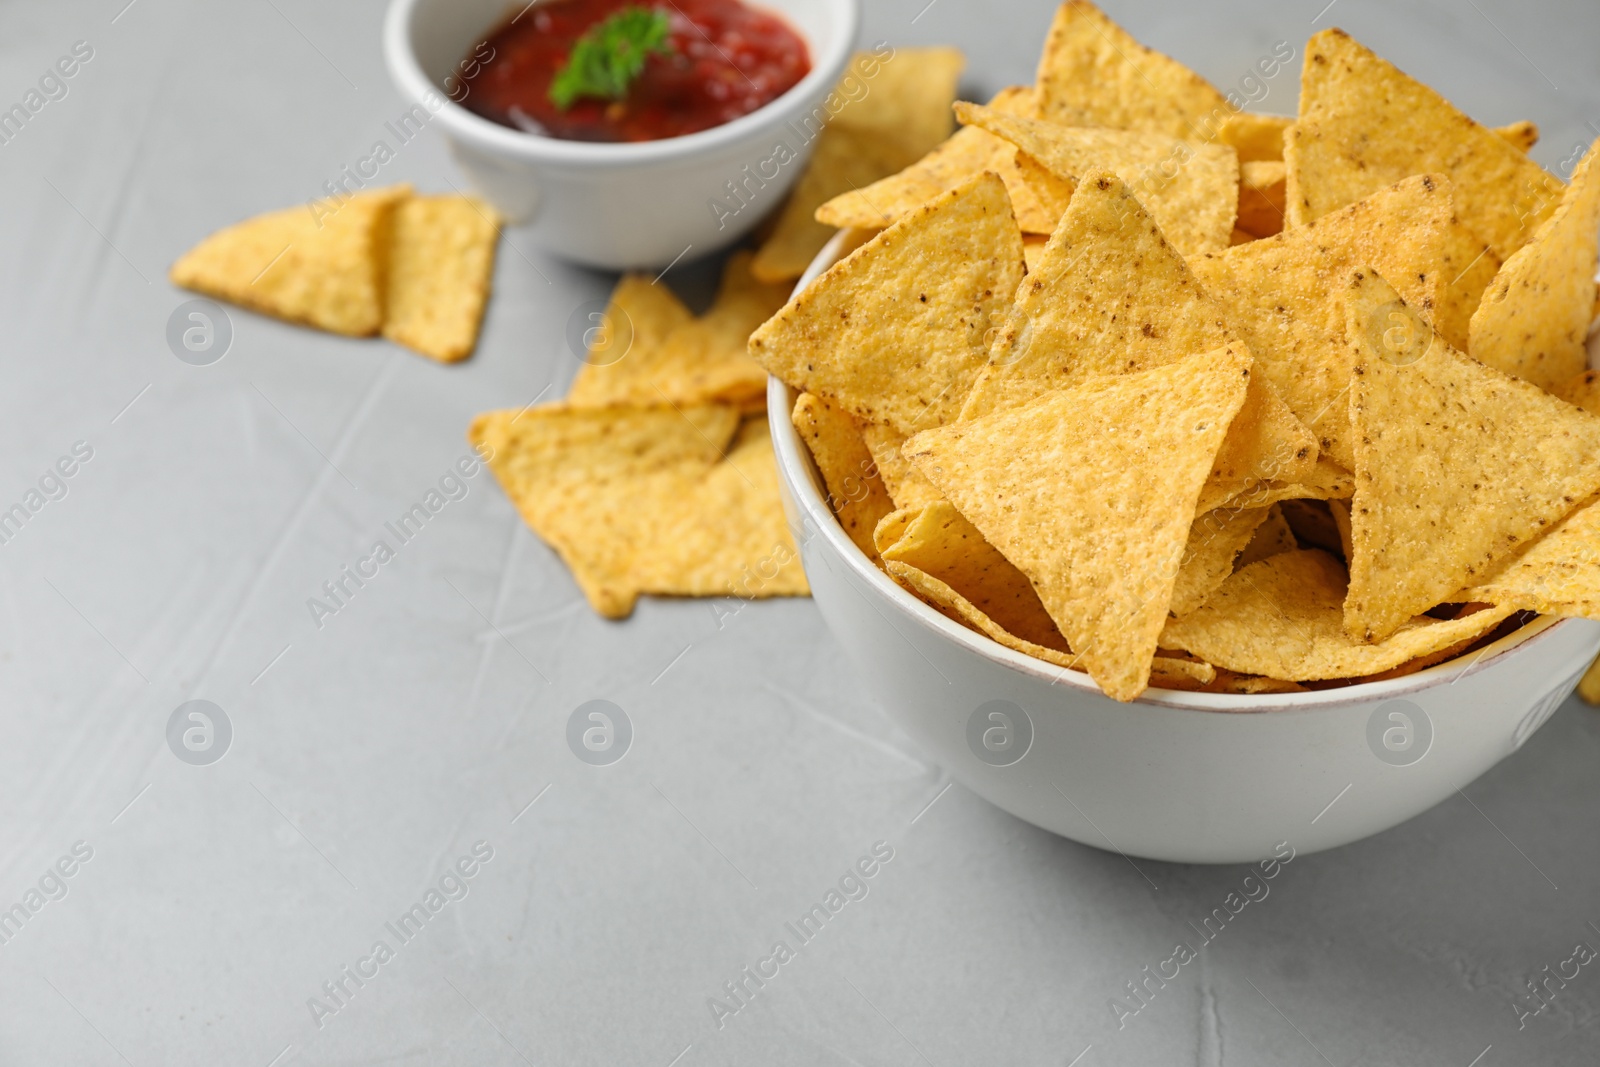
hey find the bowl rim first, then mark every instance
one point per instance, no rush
(414, 84)
(796, 468)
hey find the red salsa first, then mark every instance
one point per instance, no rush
(721, 59)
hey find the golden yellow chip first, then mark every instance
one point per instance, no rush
(1095, 516)
(320, 266)
(1364, 125)
(1457, 465)
(1524, 134)
(906, 485)
(855, 492)
(1326, 481)
(1109, 295)
(1279, 293)
(1583, 390)
(943, 545)
(441, 261)
(1261, 198)
(897, 331)
(1092, 73)
(1039, 197)
(1469, 267)
(892, 526)
(1190, 189)
(1265, 445)
(1559, 574)
(896, 111)
(967, 153)
(696, 360)
(1257, 138)
(1534, 319)
(1215, 540)
(1271, 537)
(1282, 618)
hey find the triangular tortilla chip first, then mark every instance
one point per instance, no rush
(1364, 125)
(1559, 574)
(321, 266)
(1255, 137)
(1215, 540)
(896, 331)
(906, 485)
(1092, 73)
(699, 360)
(1091, 492)
(855, 492)
(1457, 464)
(967, 153)
(441, 260)
(1534, 320)
(1280, 294)
(1282, 618)
(1109, 295)
(1190, 189)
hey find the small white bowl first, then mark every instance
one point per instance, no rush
(618, 206)
(1185, 777)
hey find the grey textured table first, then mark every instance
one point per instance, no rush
(370, 755)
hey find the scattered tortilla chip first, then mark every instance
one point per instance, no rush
(1582, 390)
(1440, 437)
(1215, 540)
(699, 360)
(1524, 134)
(1364, 125)
(1283, 618)
(1534, 320)
(1190, 189)
(1279, 294)
(1256, 138)
(943, 545)
(906, 485)
(1109, 295)
(1261, 198)
(967, 153)
(644, 500)
(1092, 73)
(1559, 574)
(1271, 537)
(319, 266)
(897, 110)
(636, 322)
(1095, 516)
(441, 261)
(1589, 684)
(897, 331)
(855, 492)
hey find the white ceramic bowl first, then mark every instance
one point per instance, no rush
(1187, 777)
(618, 206)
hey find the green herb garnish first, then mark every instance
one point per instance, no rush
(609, 55)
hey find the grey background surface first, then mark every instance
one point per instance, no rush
(370, 754)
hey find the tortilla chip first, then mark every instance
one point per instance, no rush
(1092, 73)
(896, 331)
(1256, 138)
(1097, 517)
(1457, 466)
(969, 152)
(1589, 684)
(855, 492)
(897, 110)
(1524, 134)
(1327, 481)
(1364, 125)
(441, 261)
(1265, 443)
(1110, 295)
(1190, 189)
(320, 266)
(1261, 198)
(1581, 390)
(943, 545)
(1271, 537)
(1469, 268)
(636, 322)
(1039, 197)
(1283, 618)
(1279, 294)
(1215, 540)
(1534, 320)
(699, 360)
(892, 527)
(906, 485)
(1559, 574)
